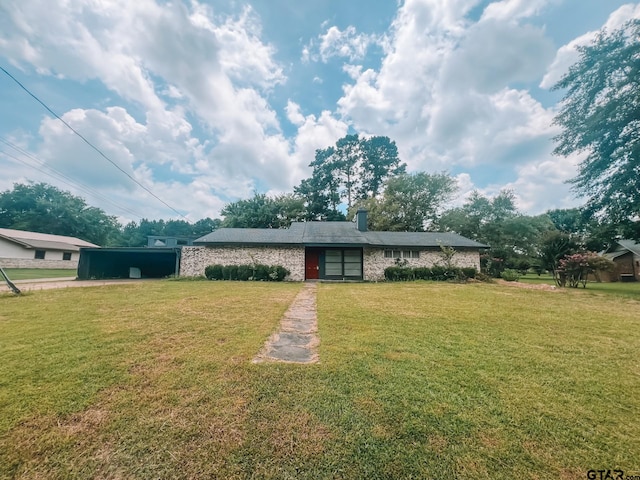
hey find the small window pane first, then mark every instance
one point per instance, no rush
(388, 254)
(333, 269)
(406, 254)
(352, 270)
(351, 255)
(397, 254)
(40, 254)
(333, 255)
(415, 254)
(66, 255)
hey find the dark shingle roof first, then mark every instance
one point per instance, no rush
(332, 233)
(419, 239)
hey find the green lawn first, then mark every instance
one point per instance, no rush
(624, 289)
(415, 380)
(35, 273)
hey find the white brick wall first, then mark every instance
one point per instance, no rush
(374, 261)
(72, 265)
(195, 259)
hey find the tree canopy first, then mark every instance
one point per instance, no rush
(262, 211)
(410, 202)
(513, 237)
(39, 207)
(600, 115)
(353, 170)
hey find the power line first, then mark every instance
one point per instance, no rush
(91, 144)
(62, 177)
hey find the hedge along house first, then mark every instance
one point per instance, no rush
(326, 250)
(23, 249)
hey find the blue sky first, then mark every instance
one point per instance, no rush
(205, 101)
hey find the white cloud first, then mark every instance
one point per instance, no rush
(446, 91)
(346, 43)
(313, 133)
(506, 10)
(494, 54)
(542, 184)
(213, 67)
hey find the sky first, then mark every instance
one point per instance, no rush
(205, 102)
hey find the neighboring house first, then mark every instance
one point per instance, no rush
(21, 249)
(326, 250)
(625, 255)
(169, 241)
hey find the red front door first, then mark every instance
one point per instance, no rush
(312, 265)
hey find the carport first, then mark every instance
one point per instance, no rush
(101, 263)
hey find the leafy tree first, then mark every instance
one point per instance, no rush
(205, 226)
(135, 234)
(554, 246)
(262, 211)
(574, 269)
(410, 202)
(43, 208)
(514, 238)
(600, 115)
(319, 203)
(590, 233)
(351, 171)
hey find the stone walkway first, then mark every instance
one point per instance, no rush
(296, 340)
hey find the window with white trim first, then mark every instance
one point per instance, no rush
(402, 254)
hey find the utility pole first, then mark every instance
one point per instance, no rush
(11, 285)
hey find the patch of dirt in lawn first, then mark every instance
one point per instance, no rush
(529, 286)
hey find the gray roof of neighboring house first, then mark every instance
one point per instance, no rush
(44, 241)
(621, 247)
(333, 234)
(630, 245)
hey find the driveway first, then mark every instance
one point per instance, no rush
(65, 282)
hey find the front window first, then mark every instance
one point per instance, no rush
(333, 263)
(343, 263)
(66, 255)
(40, 254)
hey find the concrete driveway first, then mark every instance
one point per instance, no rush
(65, 282)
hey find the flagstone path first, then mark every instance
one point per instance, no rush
(296, 341)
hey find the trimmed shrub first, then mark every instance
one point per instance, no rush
(422, 273)
(266, 273)
(398, 274)
(230, 272)
(245, 272)
(469, 272)
(453, 274)
(261, 272)
(510, 275)
(438, 273)
(279, 273)
(214, 272)
(390, 274)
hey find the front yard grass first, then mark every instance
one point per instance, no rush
(623, 289)
(35, 273)
(416, 380)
